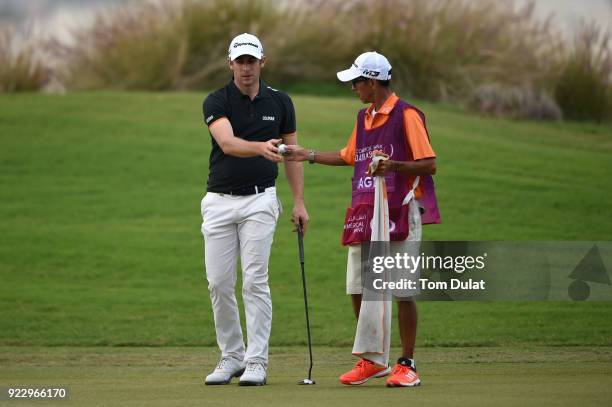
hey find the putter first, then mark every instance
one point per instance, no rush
(300, 235)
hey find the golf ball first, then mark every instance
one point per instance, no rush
(282, 149)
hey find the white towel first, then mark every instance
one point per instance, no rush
(373, 336)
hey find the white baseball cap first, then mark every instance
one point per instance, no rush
(370, 65)
(245, 44)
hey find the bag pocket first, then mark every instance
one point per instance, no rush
(357, 227)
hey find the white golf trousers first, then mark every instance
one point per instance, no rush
(240, 226)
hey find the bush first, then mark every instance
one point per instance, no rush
(514, 101)
(439, 49)
(183, 45)
(141, 46)
(21, 56)
(442, 49)
(208, 28)
(311, 45)
(451, 50)
(584, 86)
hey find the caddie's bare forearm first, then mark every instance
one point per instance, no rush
(297, 153)
(223, 134)
(426, 166)
(295, 176)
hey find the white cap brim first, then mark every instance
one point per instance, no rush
(245, 51)
(348, 74)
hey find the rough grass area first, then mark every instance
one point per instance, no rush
(100, 221)
(539, 376)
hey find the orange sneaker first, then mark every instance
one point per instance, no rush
(363, 371)
(404, 374)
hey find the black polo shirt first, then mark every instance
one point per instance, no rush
(266, 117)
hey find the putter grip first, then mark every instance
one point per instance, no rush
(301, 244)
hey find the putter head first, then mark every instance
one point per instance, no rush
(306, 381)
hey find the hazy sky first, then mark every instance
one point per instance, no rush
(569, 12)
(59, 15)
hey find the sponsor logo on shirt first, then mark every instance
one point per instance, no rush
(268, 118)
(365, 183)
(365, 153)
(209, 118)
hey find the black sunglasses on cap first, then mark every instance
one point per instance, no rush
(359, 79)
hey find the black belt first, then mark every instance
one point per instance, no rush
(256, 189)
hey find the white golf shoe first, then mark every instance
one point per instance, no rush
(225, 370)
(254, 374)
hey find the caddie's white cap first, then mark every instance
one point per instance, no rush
(245, 44)
(370, 65)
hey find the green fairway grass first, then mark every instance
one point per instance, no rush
(534, 376)
(100, 238)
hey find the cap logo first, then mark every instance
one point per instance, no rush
(373, 74)
(239, 44)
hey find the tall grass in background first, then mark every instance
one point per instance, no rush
(440, 49)
(183, 45)
(444, 48)
(139, 46)
(488, 55)
(22, 66)
(584, 86)
(208, 28)
(459, 51)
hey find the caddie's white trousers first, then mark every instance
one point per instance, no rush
(240, 226)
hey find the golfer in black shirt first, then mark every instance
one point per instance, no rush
(247, 121)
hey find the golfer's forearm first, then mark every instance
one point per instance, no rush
(426, 166)
(328, 158)
(295, 177)
(222, 132)
(294, 171)
(238, 147)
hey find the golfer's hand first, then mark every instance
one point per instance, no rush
(384, 166)
(268, 150)
(295, 153)
(300, 217)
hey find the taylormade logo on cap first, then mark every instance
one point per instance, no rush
(370, 65)
(245, 44)
(240, 44)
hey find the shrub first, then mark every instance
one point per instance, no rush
(21, 61)
(442, 49)
(584, 86)
(311, 45)
(514, 101)
(210, 25)
(141, 46)
(452, 50)
(160, 46)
